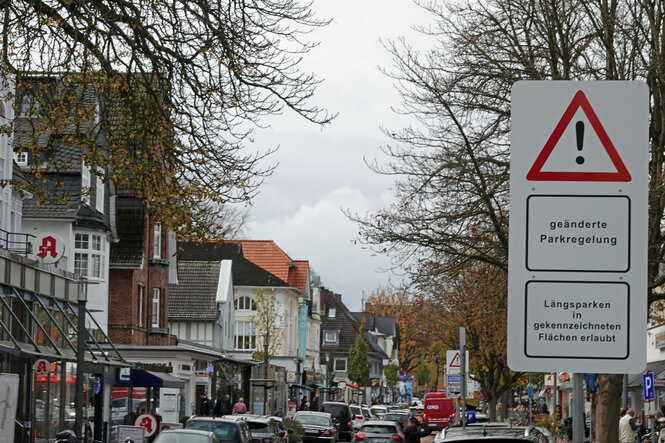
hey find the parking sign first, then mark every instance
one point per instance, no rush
(647, 385)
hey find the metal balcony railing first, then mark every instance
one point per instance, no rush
(16, 242)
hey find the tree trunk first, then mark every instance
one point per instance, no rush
(505, 400)
(607, 402)
(491, 408)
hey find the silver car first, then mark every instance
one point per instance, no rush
(357, 416)
(186, 436)
(379, 431)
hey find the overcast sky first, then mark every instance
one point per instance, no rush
(321, 170)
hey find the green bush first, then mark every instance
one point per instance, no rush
(184, 419)
(298, 433)
(550, 423)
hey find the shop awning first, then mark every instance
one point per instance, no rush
(306, 388)
(152, 379)
(658, 369)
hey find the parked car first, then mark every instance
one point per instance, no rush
(186, 436)
(379, 431)
(399, 417)
(342, 413)
(378, 411)
(265, 428)
(367, 413)
(317, 426)
(493, 432)
(224, 428)
(358, 417)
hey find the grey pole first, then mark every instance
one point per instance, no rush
(578, 408)
(462, 353)
(80, 359)
(624, 393)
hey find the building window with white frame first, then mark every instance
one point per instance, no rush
(332, 312)
(85, 183)
(157, 241)
(340, 364)
(244, 303)
(156, 299)
(141, 289)
(330, 338)
(89, 255)
(21, 158)
(99, 191)
(244, 336)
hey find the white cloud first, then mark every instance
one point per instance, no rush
(322, 234)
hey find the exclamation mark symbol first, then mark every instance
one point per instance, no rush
(579, 132)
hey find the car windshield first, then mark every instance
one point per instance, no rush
(313, 420)
(378, 429)
(395, 417)
(223, 431)
(181, 437)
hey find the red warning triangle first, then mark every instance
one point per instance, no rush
(537, 174)
(455, 362)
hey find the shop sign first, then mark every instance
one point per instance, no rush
(42, 367)
(201, 378)
(290, 377)
(375, 382)
(125, 374)
(8, 401)
(49, 247)
(660, 340)
(148, 422)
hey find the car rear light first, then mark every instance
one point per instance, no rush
(397, 437)
(350, 424)
(360, 436)
(359, 417)
(425, 417)
(327, 433)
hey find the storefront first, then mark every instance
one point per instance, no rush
(39, 319)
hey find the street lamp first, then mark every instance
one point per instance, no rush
(80, 356)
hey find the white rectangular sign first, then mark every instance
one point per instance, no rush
(578, 226)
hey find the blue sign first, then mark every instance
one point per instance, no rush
(529, 390)
(647, 385)
(454, 378)
(302, 332)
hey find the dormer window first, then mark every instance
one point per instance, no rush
(21, 158)
(330, 337)
(332, 312)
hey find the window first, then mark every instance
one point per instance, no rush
(89, 255)
(340, 364)
(85, 184)
(21, 158)
(330, 338)
(141, 288)
(332, 312)
(29, 106)
(99, 191)
(244, 303)
(156, 295)
(245, 337)
(157, 241)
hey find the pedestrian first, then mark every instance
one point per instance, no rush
(303, 404)
(223, 406)
(239, 407)
(543, 408)
(415, 429)
(204, 405)
(315, 403)
(627, 427)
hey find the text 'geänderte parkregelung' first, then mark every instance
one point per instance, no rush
(578, 240)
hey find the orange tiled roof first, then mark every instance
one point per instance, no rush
(269, 256)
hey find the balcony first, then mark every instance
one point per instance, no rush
(16, 242)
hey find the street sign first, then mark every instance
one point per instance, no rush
(454, 385)
(454, 362)
(648, 386)
(578, 214)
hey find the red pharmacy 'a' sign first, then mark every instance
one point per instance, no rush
(620, 175)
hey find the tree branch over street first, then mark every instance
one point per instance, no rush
(196, 77)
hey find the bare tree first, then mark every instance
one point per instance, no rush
(180, 86)
(451, 167)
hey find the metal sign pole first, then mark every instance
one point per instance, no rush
(578, 408)
(463, 377)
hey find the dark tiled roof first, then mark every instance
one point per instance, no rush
(130, 222)
(386, 325)
(61, 203)
(245, 273)
(193, 298)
